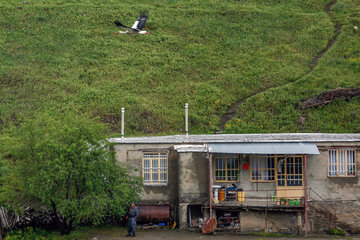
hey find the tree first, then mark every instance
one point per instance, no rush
(65, 165)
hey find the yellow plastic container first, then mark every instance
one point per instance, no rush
(221, 195)
(240, 196)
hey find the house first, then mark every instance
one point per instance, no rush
(291, 182)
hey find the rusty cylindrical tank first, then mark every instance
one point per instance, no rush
(209, 225)
(153, 213)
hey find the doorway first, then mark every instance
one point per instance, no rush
(290, 176)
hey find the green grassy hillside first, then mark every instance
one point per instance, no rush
(212, 54)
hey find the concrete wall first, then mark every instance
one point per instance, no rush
(276, 222)
(342, 192)
(193, 177)
(336, 188)
(130, 156)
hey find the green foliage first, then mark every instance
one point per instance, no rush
(336, 231)
(63, 163)
(269, 234)
(208, 53)
(87, 232)
(29, 233)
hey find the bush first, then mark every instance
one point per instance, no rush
(29, 233)
(336, 231)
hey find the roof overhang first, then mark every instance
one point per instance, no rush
(190, 148)
(264, 148)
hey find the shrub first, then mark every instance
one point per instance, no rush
(336, 231)
(29, 233)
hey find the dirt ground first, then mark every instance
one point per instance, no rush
(152, 234)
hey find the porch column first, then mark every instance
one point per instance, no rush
(305, 190)
(183, 211)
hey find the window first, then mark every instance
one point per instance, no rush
(290, 170)
(263, 168)
(342, 163)
(155, 170)
(226, 168)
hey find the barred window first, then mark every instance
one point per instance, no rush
(226, 168)
(155, 168)
(342, 163)
(263, 168)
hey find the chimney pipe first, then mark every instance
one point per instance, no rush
(186, 119)
(122, 122)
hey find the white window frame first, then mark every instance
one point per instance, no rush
(342, 163)
(155, 168)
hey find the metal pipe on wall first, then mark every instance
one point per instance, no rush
(122, 122)
(305, 193)
(210, 185)
(186, 119)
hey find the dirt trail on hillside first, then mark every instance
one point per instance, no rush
(231, 111)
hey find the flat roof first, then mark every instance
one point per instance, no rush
(243, 138)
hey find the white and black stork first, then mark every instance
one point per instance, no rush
(138, 25)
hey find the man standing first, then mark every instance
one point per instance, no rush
(132, 217)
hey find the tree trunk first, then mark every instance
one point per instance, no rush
(64, 226)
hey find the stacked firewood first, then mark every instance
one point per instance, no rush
(10, 220)
(329, 96)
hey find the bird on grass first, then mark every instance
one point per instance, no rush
(137, 27)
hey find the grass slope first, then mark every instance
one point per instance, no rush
(278, 110)
(61, 54)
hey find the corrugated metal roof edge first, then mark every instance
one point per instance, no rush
(224, 138)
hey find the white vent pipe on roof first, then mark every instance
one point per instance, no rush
(186, 119)
(122, 123)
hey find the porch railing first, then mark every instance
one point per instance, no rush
(286, 198)
(322, 206)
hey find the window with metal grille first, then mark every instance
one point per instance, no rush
(342, 163)
(226, 168)
(155, 168)
(289, 170)
(263, 168)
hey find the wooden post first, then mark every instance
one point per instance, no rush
(266, 211)
(299, 222)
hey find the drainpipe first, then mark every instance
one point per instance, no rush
(122, 122)
(210, 184)
(186, 119)
(306, 206)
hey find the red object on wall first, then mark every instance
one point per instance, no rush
(245, 166)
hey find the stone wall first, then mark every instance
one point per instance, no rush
(347, 216)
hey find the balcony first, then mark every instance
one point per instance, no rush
(277, 199)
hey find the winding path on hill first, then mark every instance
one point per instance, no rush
(231, 111)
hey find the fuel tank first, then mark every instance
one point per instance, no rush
(153, 213)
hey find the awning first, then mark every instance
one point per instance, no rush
(264, 148)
